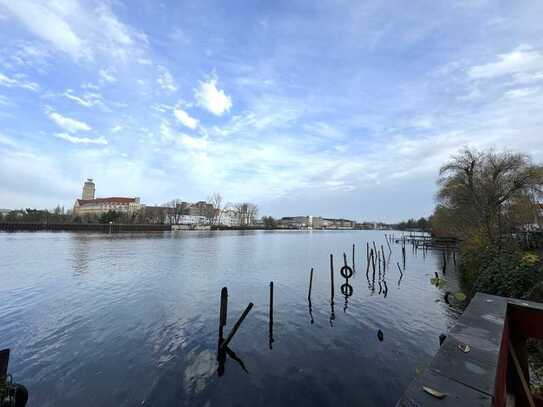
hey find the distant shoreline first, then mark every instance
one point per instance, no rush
(120, 228)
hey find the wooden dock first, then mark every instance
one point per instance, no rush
(482, 361)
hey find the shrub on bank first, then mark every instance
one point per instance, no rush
(506, 271)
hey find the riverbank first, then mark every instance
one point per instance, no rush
(82, 227)
(128, 227)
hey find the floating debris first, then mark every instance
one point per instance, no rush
(464, 347)
(433, 392)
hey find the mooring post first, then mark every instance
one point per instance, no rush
(373, 260)
(384, 261)
(379, 262)
(332, 276)
(271, 315)
(353, 256)
(223, 313)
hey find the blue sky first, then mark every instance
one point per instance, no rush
(333, 108)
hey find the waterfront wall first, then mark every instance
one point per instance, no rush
(83, 227)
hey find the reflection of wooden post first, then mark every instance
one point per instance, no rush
(236, 326)
(310, 284)
(331, 276)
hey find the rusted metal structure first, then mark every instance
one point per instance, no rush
(483, 360)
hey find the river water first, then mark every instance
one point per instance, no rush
(132, 319)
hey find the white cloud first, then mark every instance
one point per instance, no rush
(523, 59)
(165, 79)
(81, 140)
(214, 100)
(82, 29)
(69, 124)
(18, 83)
(106, 75)
(47, 23)
(88, 99)
(519, 93)
(185, 119)
(7, 141)
(116, 129)
(194, 143)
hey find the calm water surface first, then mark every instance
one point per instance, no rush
(132, 319)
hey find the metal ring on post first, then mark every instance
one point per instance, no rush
(346, 272)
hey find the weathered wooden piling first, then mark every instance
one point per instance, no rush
(379, 263)
(373, 254)
(384, 261)
(353, 257)
(444, 267)
(368, 263)
(310, 284)
(271, 316)
(332, 276)
(223, 314)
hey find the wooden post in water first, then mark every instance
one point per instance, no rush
(389, 248)
(353, 257)
(237, 325)
(384, 261)
(310, 284)
(368, 252)
(373, 264)
(271, 315)
(332, 276)
(444, 269)
(223, 314)
(379, 263)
